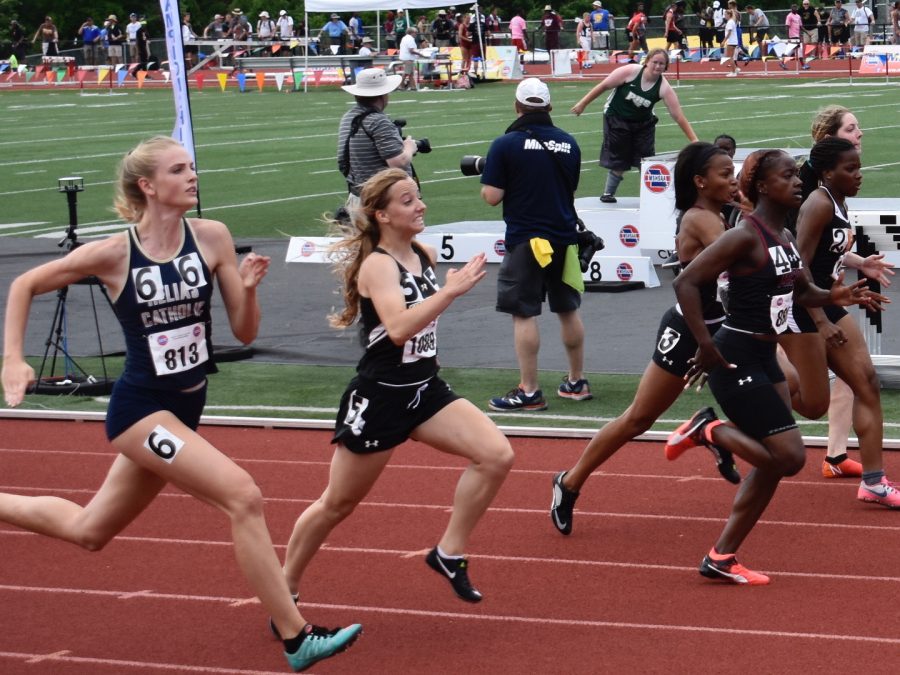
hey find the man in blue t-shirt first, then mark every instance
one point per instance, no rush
(534, 170)
(601, 23)
(90, 40)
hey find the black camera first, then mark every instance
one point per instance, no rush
(471, 165)
(423, 145)
(588, 244)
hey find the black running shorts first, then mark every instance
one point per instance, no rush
(374, 416)
(747, 394)
(675, 344)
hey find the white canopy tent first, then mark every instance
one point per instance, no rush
(338, 6)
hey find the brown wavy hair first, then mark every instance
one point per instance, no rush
(827, 121)
(358, 240)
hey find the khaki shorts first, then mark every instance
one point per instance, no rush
(810, 37)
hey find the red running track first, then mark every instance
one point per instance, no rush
(621, 595)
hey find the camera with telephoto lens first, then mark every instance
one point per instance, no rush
(423, 145)
(471, 165)
(588, 244)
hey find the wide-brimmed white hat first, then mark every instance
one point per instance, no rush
(373, 82)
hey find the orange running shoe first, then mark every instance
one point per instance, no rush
(729, 569)
(849, 468)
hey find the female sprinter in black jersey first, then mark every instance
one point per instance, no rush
(390, 284)
(704, 183)
(765, 276)
(160, 275)
(829, 335)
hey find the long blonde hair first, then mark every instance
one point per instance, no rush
(359, 240)
(130, 201)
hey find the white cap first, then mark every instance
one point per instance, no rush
(597, 3)
(716, 4)
(282, 12)
(533, 93)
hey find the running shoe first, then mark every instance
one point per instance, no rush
(456, 570)
(320, 643)
(516, 399)
(725, 463)
(607, 198)
(562, 505)
(732, 74)
(689, 434)
(881, 493)
(580, 390)
(731, 570)
(848, 468)
(782, 66)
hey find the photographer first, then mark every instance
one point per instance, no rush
(367, 139)
(534, 170)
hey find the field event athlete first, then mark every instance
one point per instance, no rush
(765, 276)
(389, 284)
(629, 125)
(160, 275)
(704, 183)
(829, 337)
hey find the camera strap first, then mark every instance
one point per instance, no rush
(355, 126)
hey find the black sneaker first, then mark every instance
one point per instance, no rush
(725, 463)
(562, 505)
(517, 399)
(456, 570)
(607, 198)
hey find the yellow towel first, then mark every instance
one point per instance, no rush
(543, 251)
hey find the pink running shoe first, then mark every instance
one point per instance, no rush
(883, 493)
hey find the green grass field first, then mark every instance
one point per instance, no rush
(268, 170)
(267, 160)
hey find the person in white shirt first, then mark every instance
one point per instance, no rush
(408, 54)
(730, 43)
(861, 17)
(284, 27)
(131, 29)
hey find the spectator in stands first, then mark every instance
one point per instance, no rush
(265, 31)
(824, 31)
(355, 27)
(89, 35)
(187, 37)
(674, 25)
(838, 31)
(809, 20)
(401, 23)
(49, 37)
(759, 22)
(335, 32)
(17, 38)
(601, 21)
(637, 27)
(895, 23)
(142, 40)
(441, 28)
(284, 27)
(584, 31)
(216, 29)
(116, 39)
(366, 50)
(390, 37)
(794, 25)
(493, 25)
(409, 51)
(551, 24)
(517, 28)
(861, 18)
(239, 28)
(719, 21)
(367, 139)
(464, 40)
(131, 29)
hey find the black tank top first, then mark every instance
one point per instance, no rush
(416, 360)
(836, 239)
(760, 301)
(164, 312)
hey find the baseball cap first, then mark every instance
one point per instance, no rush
(533, 93)
(282, 12)
(716, 4)
(597, 3)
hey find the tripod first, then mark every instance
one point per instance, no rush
(74, 379)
